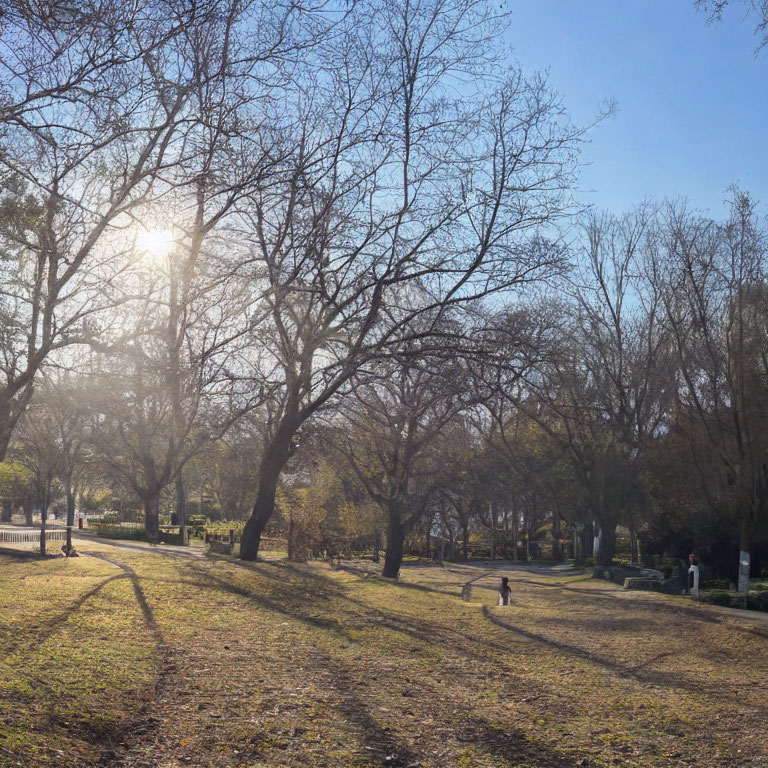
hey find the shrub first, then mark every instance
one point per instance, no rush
(668, 566)
(120, 532)
(544, 532)
(720, 598)
(758, 601)
(719, 584)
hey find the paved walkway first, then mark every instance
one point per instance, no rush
(170, 550)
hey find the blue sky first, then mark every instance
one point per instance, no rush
(692, 98)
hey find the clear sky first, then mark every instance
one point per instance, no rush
(692, 98)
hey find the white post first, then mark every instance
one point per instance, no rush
(744, 564)
(694, 569)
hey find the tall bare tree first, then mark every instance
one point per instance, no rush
(95, 101)
(423, 176)
(713, 283)
(390, 428)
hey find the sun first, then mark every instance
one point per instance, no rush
(155, 242)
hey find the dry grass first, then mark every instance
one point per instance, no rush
(278, 665)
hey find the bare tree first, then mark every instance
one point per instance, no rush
(408, 191)
(614, 383)
(390, 427)
(713, 284)
(40, 451)
(84, 138)
(757, 8)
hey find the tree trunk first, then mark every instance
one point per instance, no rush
(633, 543)
(506, 534)
(291, 534)
(29, 507)
(556, 532)
(515, 533)
(607, 543)
(43, 520)
(70, 496)
(12, 406)
(465, 542)
(152, 517)
(393, 557)
(272, 464)
(181, 501)
(492, 513)
(254, 527)
(587, 540)
(376, 546)
(7, 510)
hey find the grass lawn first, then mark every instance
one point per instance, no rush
(142, 660)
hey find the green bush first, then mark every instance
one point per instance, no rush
(121, 532)
(720, 598)
(668, 566)
(758, 601)
(719, 584)
(544, 532)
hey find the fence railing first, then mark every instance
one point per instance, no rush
(223, 542)
(22, 537)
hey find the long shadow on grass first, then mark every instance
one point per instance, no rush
(508, 743)
(21, 554)
(638, 672)
(208, 579)
(381, 742)
(331, 588)
(446, 639)
(50, 626)
(141, 599)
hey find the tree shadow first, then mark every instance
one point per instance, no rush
(365, 616)
(141, 599)
(638, 672)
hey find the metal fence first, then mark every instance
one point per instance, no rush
(21, 537)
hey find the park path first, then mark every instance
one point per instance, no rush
(478, 574)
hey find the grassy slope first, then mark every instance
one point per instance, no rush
(279, 665)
